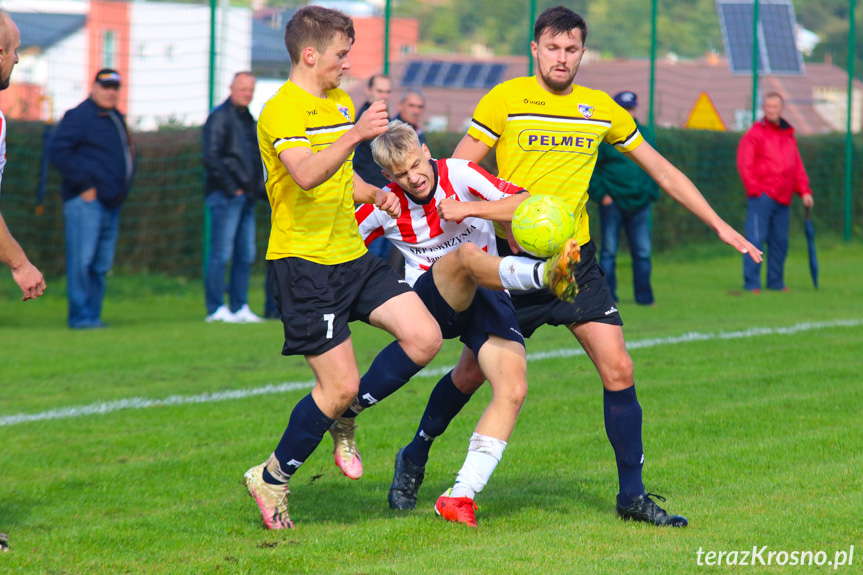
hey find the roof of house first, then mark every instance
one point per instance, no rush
(42, 30)
(678, 86)
(268, 36)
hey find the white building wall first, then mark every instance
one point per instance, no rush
(169, 61)
(61, 69)
(65, 64)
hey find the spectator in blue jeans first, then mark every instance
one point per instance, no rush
(772, 172)
(93, 151)
(234, 183)
(625, 193)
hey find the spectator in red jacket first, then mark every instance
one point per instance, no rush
(770, 166)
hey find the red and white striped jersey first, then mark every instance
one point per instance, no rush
(419, 233)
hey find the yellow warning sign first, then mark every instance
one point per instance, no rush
(704, 116)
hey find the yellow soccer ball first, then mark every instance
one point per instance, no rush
(542, 224)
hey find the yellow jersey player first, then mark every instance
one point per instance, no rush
(546, 132)
(323, 277)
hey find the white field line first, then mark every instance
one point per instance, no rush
(142, 403)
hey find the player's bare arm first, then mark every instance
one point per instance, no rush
(678, 186)
(366, 193)
(311, 169)
(25, 274)
(499, 211)
(470, 149)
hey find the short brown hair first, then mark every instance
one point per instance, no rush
(390, 150)
(559, 20)
(375, 77)
(315, 26)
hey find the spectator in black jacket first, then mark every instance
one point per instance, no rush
(380, 87)
(234, 183)
(92, 150)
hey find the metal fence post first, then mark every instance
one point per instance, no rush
(849, 144)
(530, 37)
(387, 15)
(652, 108)
(211, 95)
(755, 10)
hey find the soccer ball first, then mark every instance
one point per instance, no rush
(542, 224)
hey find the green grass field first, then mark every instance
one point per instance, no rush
(755, 435)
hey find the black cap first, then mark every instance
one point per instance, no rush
(107, 77)
(626, 99)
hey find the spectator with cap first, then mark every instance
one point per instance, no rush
(625, 193)
(93, 151)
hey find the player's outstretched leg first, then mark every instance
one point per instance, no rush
(560, 271)
(418, 339)
(479, 268)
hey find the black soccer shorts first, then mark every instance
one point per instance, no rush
(316, 302)
(535, 308)
(491, 312)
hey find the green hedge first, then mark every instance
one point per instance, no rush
(162, 223)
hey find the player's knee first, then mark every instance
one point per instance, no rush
(467, 254)
(468, 250)
(517, 393)
(345, 394)
(620, 374)
(425, 342)
(468, 379)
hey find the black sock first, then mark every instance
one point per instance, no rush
(444, 404)
(623, 427)
(390, 370)
(305, 430)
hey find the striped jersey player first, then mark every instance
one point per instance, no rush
(419, 232)
(445, 233)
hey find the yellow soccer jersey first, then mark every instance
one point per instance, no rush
(548, 143)
(317, 224)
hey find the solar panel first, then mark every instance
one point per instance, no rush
(430, 78)
(453, 75)
(782, 52)
(777, 46)
(473, 78)
(495, 75)
(456, 74)
(411, 74)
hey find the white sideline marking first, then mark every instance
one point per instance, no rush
(142, 403)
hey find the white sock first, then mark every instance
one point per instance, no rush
(483, 455)
(518, 273)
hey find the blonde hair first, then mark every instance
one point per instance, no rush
(391, 149)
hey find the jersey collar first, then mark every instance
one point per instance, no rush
(431, 196)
